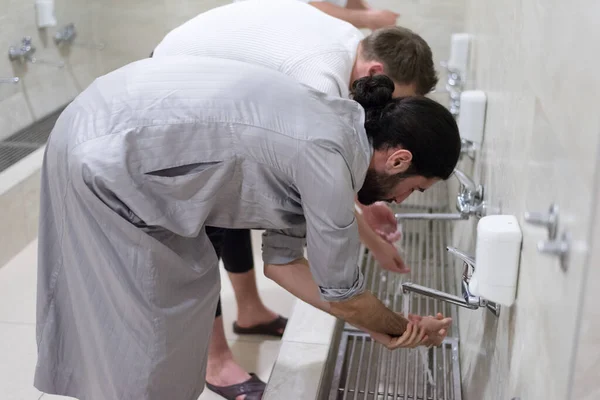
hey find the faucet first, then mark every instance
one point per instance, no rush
(25, 52)
(468, 300)
(469, 202)
(67, 35)
(10, 80)
(454, 87)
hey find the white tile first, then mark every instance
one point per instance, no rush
(297, 371)
(19, 356)
(18, 279)
(309, 325)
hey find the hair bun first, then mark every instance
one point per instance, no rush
(373, 91)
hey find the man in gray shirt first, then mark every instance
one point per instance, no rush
(149, 155)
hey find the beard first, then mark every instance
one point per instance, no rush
(379, 187)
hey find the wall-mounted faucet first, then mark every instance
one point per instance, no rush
(10, 80)
(468, 300)
(66, 36)
(469, 202)
(24, 53)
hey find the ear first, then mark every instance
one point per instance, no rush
(376, 68)
(398, 162)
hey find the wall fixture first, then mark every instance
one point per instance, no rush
(493, 281)
(555, 246)
(66, 37)
(469, 203)
(10, 80)
(24, 53)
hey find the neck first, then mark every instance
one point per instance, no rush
(355, 74)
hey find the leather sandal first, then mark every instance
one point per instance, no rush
(273, 328)
(253, 388)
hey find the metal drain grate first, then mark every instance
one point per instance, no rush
(19, 145)
(368, 371)
(365, 370)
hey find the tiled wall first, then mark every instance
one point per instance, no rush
(129, 29)
(534, 59)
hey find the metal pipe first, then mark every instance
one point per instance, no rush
(431, 217)
(436, 294)
(9, 80)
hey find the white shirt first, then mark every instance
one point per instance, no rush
(284, 35)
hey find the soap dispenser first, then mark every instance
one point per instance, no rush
(498, 253)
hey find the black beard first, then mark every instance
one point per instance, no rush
(378, 187)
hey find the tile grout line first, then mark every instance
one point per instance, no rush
(17, 323)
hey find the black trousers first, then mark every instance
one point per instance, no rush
(234, 246)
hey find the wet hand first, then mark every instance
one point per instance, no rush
(436, 329)
(412, 337)
(380, 217)
(388, 257)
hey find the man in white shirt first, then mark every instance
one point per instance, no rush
(322, 52)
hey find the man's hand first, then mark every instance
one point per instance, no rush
(380, 19)
(380, 217)
(412, 337)
(388, 257)
(435, 327)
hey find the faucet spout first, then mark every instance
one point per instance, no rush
(463, 256)
(437, 294)
(431, 217)
(465, 180)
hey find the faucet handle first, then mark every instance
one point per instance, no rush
(548, 220)
(10, 80)
(467, 259)
(464, 179)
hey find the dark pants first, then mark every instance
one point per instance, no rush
(234, 246)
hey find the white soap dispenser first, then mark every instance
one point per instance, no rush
(497, 255)
(471, 121)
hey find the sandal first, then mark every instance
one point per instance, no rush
(273, 328)
(253, 388)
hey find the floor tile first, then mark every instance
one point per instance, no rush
(18, 280)
(19, 355)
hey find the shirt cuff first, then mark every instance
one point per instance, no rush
(279, 249)
(341, 294)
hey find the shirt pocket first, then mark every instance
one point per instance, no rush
(196, 182)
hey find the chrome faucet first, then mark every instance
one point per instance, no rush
(67, 35)
(10, 80)
(468, 300)
(24, 53)
(454, 87)
(469, 202)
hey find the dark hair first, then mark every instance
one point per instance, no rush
(406, 57)
(417, 124)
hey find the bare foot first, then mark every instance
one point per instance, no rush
(224, 371)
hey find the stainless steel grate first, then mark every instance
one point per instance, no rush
(368, 371)
(26, 141)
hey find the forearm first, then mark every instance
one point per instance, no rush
(357, 5)
(297, 279)
(367, 312)
(357, 17)
(364, 311)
